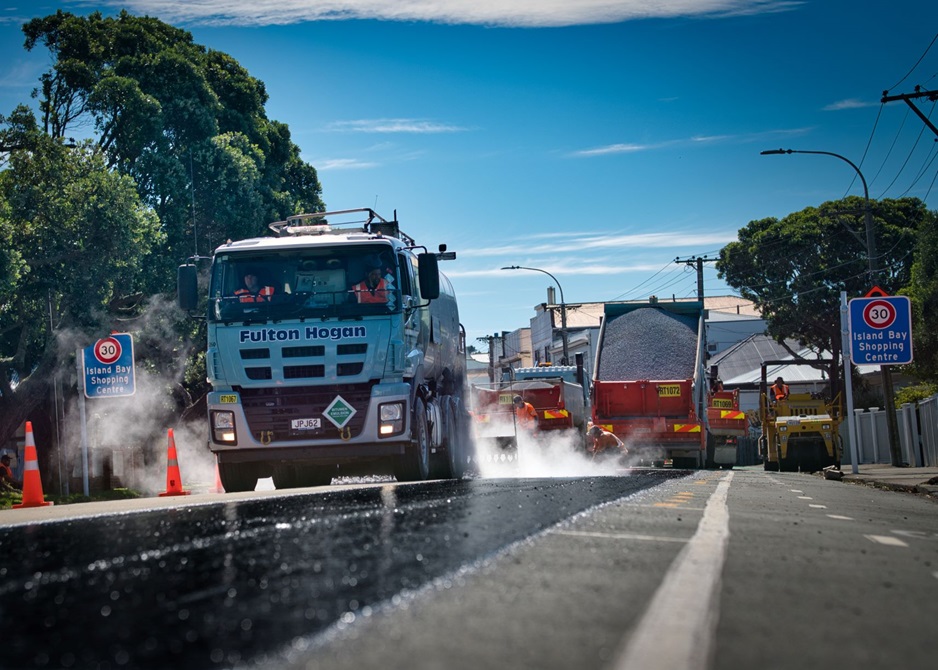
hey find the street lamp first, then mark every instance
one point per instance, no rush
(563, 309)
(888, 392)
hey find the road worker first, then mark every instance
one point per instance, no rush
(601, 440)
(6, 474)
(779, 390)
(525, 413)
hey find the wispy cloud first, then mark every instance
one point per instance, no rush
(517, 13)
(676, 239)
(413, 126)
(22, 74)
(325, 164)
(850, 103)
(697, 140)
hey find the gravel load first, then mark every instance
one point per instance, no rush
(648, 343)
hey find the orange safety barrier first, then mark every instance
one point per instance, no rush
(32, 483)
(173, 478)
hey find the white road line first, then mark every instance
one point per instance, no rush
(818, 506)
(840, 517)
(796, 490)
(887, 540)
(805, 498)
(622, 536)
(686, 604)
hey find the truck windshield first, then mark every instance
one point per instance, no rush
(353, 281)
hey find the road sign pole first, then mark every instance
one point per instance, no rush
(848, 384)
(80, 360)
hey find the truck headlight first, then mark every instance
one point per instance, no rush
(390, 419)
(783, 429)
(223, 427)
(825, 426)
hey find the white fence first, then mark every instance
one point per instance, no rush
(918, 434)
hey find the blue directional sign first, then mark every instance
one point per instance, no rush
(109, 367)
(880, 330)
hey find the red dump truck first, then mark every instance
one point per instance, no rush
(558, 394)
(649, 382)
(725, 424)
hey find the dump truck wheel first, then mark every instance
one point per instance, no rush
(414, 465)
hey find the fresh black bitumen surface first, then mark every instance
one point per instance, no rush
(216, 585)
(648, 343)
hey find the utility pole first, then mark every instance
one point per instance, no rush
(908, 97)
(697, 261)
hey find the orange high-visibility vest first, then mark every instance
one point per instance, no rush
(365, 293)
(263, 295)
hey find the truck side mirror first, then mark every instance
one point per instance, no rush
(187, 287)
(429, 271)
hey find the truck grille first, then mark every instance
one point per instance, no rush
(269, 411)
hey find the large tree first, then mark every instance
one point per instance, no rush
(795, 268)
(75, 237)
(187, 123)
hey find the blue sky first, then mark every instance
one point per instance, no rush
(597, 140)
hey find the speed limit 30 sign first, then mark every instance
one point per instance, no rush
(880, 330)
(109, 367)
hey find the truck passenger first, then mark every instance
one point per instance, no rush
(373, 288)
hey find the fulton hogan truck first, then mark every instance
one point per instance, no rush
(342, 353)
(649, 380)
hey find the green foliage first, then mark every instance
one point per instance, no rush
(794, 269)
(913, 394)
(923, 294)
(185, 122)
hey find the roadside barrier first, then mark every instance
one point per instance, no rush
(173, 478)
(32, 483)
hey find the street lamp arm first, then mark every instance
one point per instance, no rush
(775, 152)
(518, 267)
(563, 308)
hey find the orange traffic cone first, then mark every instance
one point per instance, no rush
(219, 487)
(32, 484)
(173, 478)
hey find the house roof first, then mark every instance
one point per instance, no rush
(742, 363)
(722, 307)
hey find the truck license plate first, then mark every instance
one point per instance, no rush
(306, 424)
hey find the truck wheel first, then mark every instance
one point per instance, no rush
(456, 447)
(414, 465)
(237, 476)
(442, 462)
(285, 476)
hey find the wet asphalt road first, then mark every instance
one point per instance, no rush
(231, 583)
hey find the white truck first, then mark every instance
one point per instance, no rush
(312, 375)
